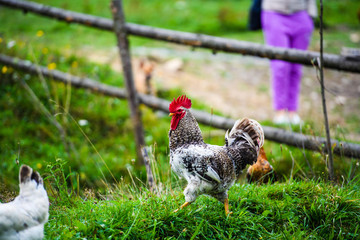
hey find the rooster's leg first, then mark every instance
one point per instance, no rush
(226, 205)
(182, 206)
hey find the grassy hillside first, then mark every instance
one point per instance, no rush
(295, 210)
(93, 176)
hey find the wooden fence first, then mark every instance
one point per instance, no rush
(331, 61)
(197, 40)
(274, 134)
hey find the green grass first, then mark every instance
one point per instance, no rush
(296, 210)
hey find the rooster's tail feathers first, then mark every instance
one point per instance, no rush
(248, 129)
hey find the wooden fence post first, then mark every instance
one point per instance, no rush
(330, 163)
(123, 45)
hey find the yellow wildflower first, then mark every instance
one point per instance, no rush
(45, 51)
(82, 175)
(4, 69)
(1, 40)
(74, 64)
(39, 165)
(21, 44)
(40, 33)
(51, 66)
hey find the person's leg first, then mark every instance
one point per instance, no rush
(294, 87)
(280, 84)
(274, 28)
(300, 39)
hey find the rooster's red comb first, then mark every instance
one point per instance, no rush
(181, 101)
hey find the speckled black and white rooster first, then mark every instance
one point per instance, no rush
(210, 169)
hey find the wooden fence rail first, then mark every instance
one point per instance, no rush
(278, 135)
(331, 61)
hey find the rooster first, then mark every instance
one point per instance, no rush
(261, 171)
(24, 218)
(210, 169)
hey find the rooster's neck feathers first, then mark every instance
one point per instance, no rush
(187, 132)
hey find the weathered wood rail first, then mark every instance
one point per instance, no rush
(331, 61)
(277, 135)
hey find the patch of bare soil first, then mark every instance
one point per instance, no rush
(240, 86)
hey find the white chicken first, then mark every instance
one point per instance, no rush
(24, 218)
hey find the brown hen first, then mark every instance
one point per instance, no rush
(261, 171)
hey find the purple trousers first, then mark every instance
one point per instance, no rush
(288, 31)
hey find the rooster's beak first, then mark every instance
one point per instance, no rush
(171, 114)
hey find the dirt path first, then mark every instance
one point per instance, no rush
(239, 86)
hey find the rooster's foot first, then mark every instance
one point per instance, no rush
(226, 205)
(182, 206)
